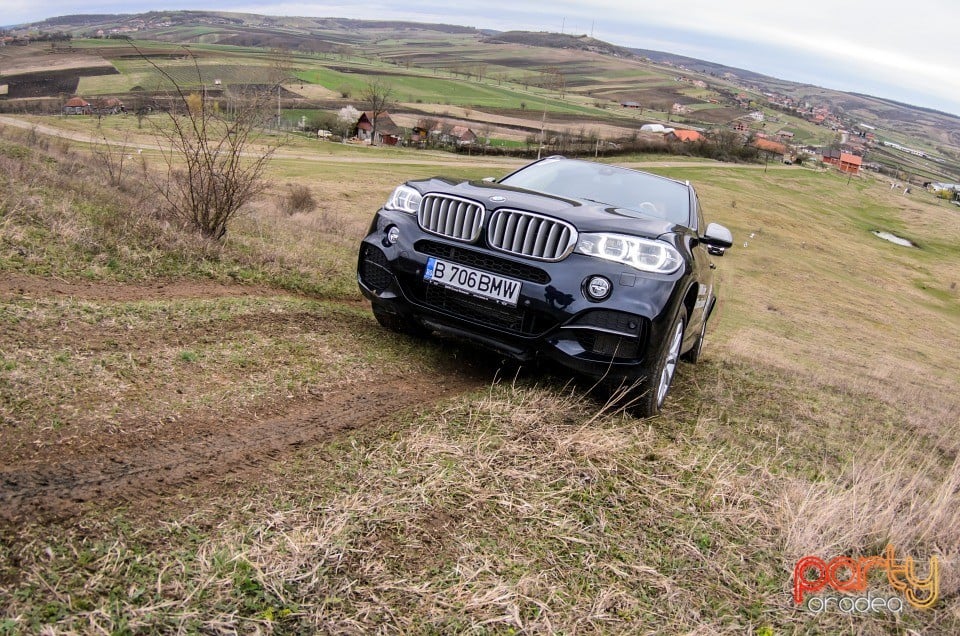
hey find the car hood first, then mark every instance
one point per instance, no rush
(586, 216)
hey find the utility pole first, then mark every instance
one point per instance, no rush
(542, 123)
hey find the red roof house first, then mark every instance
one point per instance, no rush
(845, 161)
(772, 147)
(388, 133)
(77, 106)
(684, 135)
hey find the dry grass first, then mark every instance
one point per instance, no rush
(824, 421)
(77, 370)
(879, 500)
(58, 219)
(299, 199)
(523, 508)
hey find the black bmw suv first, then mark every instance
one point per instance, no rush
(605, 269)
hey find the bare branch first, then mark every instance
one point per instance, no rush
(211, 172)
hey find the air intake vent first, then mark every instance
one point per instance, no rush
(531, 235)
(459, 219)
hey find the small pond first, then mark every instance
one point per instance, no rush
(893, 238)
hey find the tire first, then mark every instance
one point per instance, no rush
(395, 322)
(693, 356)
(658, 377)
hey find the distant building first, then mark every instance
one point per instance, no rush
(463, 135)
(684, 135)
(845, 161)
(107, 106)
(77, 106)
(388, 133)
(770, 146)
(655, 128)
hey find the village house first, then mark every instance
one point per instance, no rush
(387, 134)
(462, 135)
(77, 106)
(845, 161)
(443, 133)
(107, 106)
(683, 135)
(773, 148)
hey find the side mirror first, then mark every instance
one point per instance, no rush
(717, 238)
(489, 179)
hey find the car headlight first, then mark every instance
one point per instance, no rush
(404, 199)
(643, 254)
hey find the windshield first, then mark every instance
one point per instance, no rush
(646, 194)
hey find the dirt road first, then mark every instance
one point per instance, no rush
(421, 158)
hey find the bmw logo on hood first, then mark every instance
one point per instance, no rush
(498, 199)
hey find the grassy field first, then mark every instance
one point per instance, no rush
(468, 496)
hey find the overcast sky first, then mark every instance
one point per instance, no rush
(907, 51)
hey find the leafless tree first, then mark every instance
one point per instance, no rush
(212, 168)
(377, 98)
(486, 131)
(112, 158)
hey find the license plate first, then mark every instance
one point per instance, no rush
(473, 281)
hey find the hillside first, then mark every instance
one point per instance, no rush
(575, 68)
(215, 436)
(218, 438)
(929, 127)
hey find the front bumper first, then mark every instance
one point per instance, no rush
(553, 318)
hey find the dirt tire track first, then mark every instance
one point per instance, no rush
(59, 489)
(197, 455)
(17, 285)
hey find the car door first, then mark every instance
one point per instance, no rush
(703, 267)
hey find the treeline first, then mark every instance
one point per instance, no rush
(721, 146)
(42, 36)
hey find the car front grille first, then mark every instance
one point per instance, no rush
(515, 319)
(610, 321)
(531, 235)
(455, 218)
(486, 262)
(610, 345)
(374, 268)
(609, 333)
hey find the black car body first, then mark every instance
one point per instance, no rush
(601, 268)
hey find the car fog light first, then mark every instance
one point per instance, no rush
(393, 235)
(598, 287)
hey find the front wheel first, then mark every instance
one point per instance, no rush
(658, 376)
(693, 356)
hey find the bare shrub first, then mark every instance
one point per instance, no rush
(212, 168)
(112, 158)
(299, 198)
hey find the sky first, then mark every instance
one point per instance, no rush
(905, 51)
